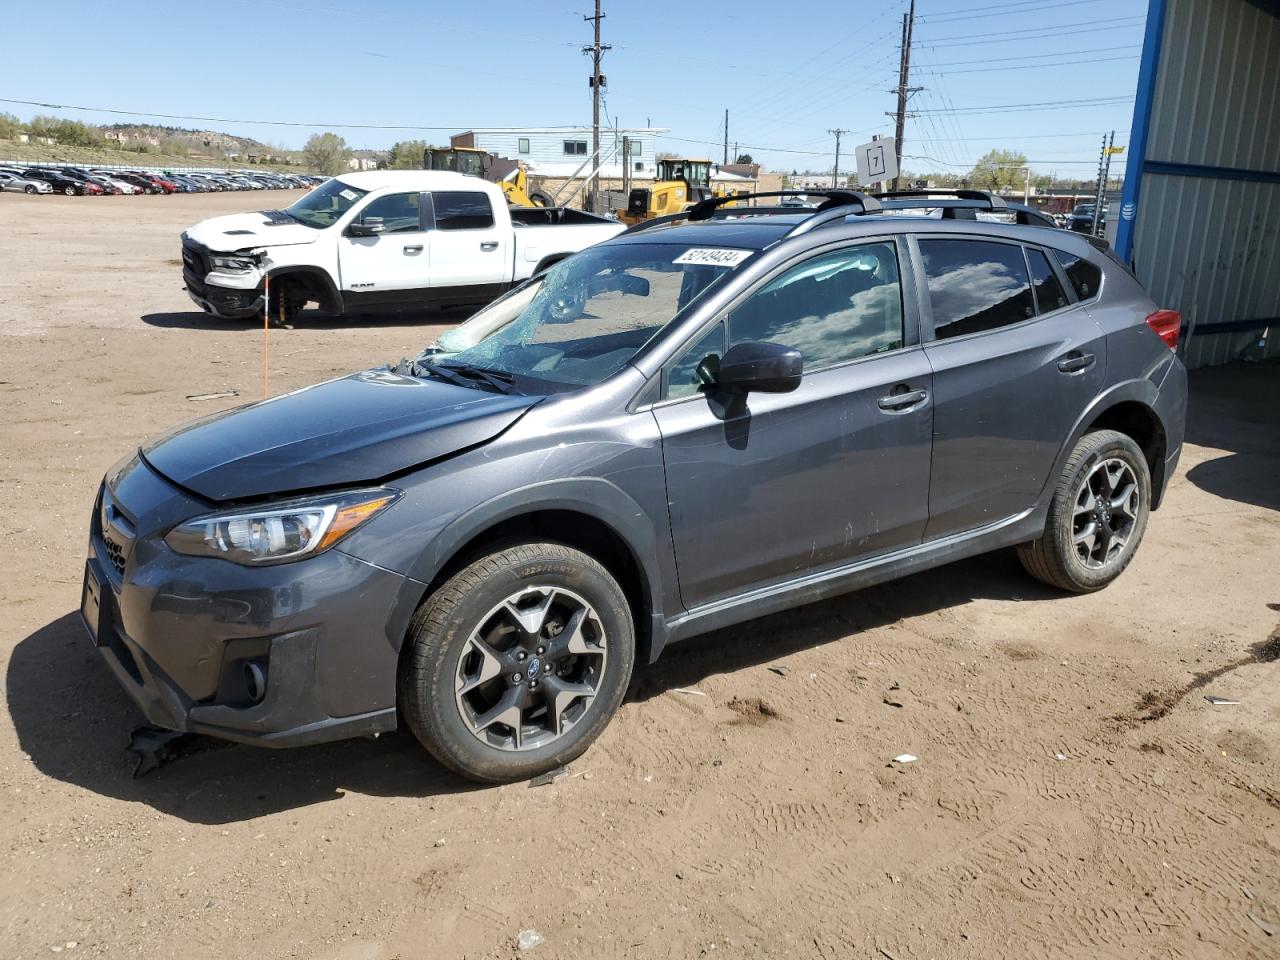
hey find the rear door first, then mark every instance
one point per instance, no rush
(380, 268)
(786, 485)
(468, 247)
(1015, 363)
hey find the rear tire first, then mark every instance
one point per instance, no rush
(540, 199)
(1097, 516)
(517, 663)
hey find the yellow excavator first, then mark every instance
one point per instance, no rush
(510, 175)
(681, 182)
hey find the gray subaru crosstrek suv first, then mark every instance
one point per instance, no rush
(706, 419)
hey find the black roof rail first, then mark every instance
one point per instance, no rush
(850, 201)
(994, 202)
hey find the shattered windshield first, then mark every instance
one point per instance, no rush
(324, 205)
(587, 316)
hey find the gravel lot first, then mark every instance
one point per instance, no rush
(1075, 794)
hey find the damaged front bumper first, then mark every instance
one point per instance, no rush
(282, 655)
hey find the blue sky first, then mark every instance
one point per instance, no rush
(785, 78)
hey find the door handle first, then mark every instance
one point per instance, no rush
(413, 248)
(903, 399)
(1076, 362)
(488, 245)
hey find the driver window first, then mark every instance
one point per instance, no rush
(398, 212)
(682, 376)
(833, 308)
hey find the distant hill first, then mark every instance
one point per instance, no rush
(199, 141)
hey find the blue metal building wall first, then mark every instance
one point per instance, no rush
(1200, 213)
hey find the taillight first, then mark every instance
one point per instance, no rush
(1168, 326)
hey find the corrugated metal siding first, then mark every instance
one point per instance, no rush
(1208, 246)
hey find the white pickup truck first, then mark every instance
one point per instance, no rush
(376, 241)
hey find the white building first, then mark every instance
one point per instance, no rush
(560, 151)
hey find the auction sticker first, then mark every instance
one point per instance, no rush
(348, 194)
(713, 257)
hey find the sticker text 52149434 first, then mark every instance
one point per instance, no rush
(722, 257)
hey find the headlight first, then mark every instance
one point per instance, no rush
(233, 264)
(279, 532)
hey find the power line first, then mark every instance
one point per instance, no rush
(1002, 9)
(1057, 104)
(1036, 66)
(263, 123)
(1033, 56)
(1067, 26)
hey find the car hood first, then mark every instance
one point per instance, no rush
(240, 231)
(352, 430)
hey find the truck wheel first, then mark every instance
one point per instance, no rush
(517, 663)
(540, 199)
(1097, 516)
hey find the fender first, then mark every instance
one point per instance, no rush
(317, 279)
(1141, 391)
(592, 496)
(550, 261)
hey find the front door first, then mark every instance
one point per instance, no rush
(1014, 369)
(468, 249)
(388, 267)
(791, 484)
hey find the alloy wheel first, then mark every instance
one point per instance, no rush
(531, 668)
(1105, 513)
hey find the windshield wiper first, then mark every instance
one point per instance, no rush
(423, 368)
(498, 379)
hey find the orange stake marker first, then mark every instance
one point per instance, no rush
(266, 335)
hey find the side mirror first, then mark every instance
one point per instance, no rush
(365, 228)
(760, 367)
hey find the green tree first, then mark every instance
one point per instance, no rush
(10, 127)
(406, 155)
(999, 169)
(744, 158)
(326, 153)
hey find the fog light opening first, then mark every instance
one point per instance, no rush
(255, 680)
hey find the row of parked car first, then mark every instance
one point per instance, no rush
(79, 182)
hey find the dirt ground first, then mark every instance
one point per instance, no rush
(1075, 794)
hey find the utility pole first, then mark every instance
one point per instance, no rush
(835, 173)
(1100, 222)
(904, 90)
(1099, 193)
(596, 52)
(726, 136)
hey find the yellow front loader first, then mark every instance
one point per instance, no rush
(681, 182)
(510, 175)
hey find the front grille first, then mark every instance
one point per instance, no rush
(194, 266)
(117, 533)
(638, 202)
(115, 553)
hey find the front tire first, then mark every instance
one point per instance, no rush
(69, 191)
(1097, 516)
(516, 664)
(30, 190)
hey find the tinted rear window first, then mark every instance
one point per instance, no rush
(1084, 277)
(462, 210)
(975, 285)
(1049, 292)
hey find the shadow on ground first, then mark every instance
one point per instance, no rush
(995, 576)
(311, 320)
(74, 721)
(1236, 408)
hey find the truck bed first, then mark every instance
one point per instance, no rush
(555, 217)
